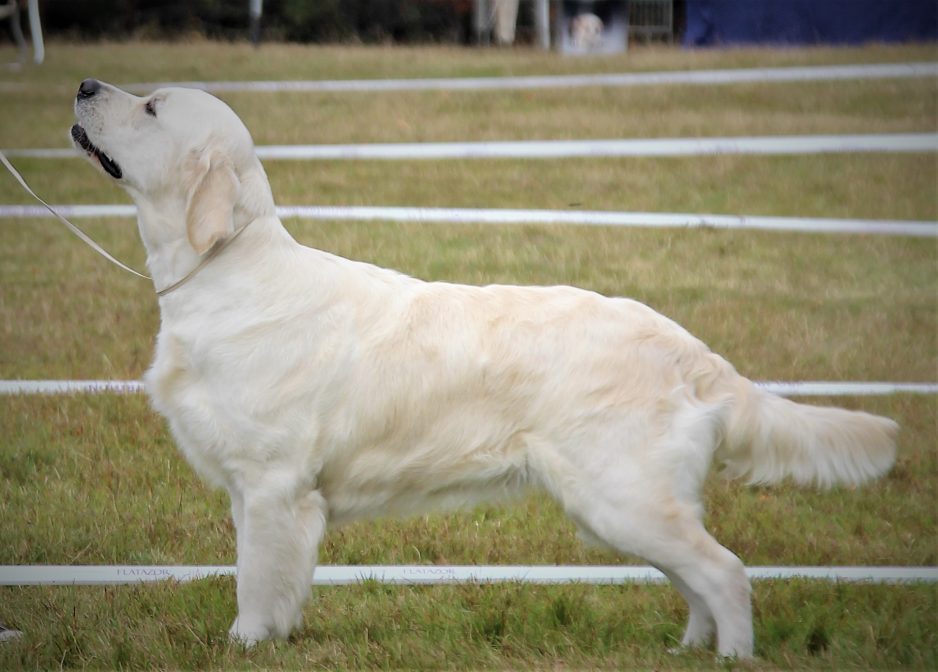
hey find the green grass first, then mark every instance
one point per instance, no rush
(504, 627)
(97, 479)
(884, 106)
(893, 106)
(134, 61)
(887, 186)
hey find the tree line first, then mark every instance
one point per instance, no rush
(370, 21)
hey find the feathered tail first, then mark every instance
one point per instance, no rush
(768, 438)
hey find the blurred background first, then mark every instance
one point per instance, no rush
(567, 25)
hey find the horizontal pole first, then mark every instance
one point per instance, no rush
(626, 79)
(608, 148)
(919, 229)
(785, 389)
(728, 76)
(850, 389)
(917, 143)
(614, 219)
(51, 387)
(339, 575)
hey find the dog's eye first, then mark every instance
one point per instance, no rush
(150, 108)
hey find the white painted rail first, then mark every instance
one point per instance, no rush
(920, 229)
(917, 143)
(786, 389)
(339, 575)
(709, 77)
(621, 79)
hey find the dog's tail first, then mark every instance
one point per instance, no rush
(768, 438)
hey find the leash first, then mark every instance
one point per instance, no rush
(85, 238)
(71, 227)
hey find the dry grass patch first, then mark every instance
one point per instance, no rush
(42, 118)
(880, 186)
(41, 115)
(193, 60)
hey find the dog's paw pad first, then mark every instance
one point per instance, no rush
(247, 636)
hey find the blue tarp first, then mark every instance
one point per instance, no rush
(729, 22)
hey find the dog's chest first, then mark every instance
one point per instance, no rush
(180, 391)
(242, 399)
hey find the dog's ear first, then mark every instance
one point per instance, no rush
(210, 211)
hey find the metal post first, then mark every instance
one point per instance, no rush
(557, 29)
(542, 23)
(256, 9)
(35, 29)
(480, 22)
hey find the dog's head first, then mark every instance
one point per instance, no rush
(181, 152)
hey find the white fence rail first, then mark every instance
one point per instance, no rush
(340, 575)
(781, 75)
(787, 389)
(783, 145)
(625, 79)
(919, 229)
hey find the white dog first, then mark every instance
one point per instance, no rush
(318, 390)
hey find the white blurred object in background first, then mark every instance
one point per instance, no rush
(11, 10)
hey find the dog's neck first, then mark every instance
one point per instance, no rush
(162, 230)
(162, 226)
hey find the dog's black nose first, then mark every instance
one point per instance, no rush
(88, 88)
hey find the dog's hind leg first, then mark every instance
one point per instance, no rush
(635, 505)
(278, 540)
(700, 623)
(717, 577)
(668, 534)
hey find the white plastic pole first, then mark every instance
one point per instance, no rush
(917, 143)
(542, 23)
(255, 11)
(918, 229)
(921, 70)
(785, 389)
(35, 28)
(340, 575)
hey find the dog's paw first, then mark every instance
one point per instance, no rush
(247, 634)
(8, 635)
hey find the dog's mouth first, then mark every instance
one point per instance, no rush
(107, 163)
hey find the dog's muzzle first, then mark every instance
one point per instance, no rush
(88, 89)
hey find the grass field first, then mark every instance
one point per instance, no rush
(96, 479)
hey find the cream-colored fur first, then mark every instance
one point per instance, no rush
(318, 390)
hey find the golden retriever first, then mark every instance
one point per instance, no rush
(318, 390)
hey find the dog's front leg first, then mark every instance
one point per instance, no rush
(278, 539)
